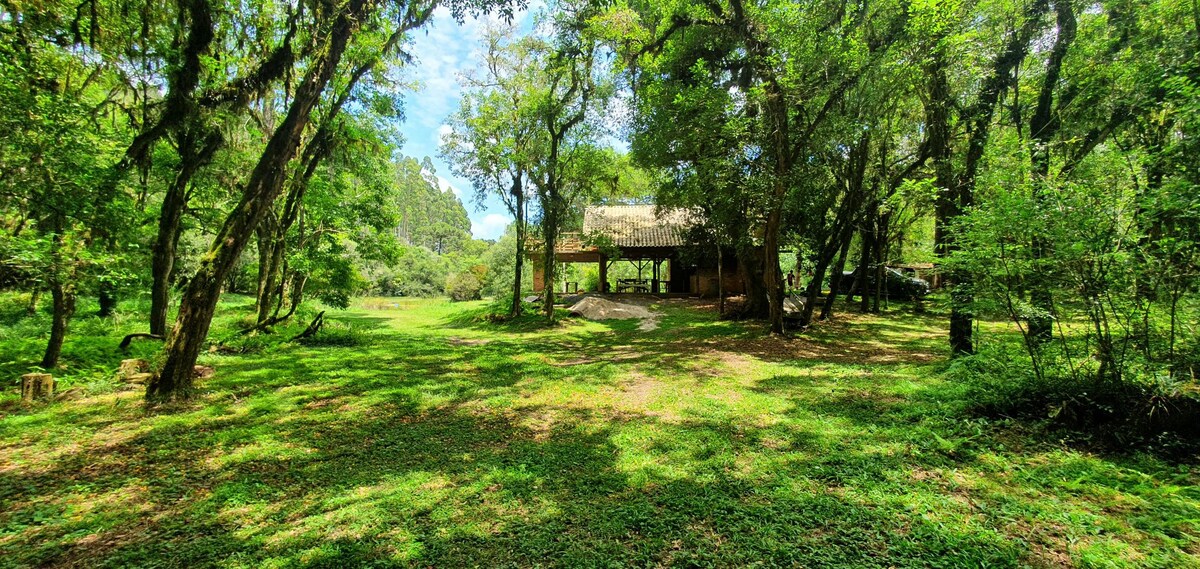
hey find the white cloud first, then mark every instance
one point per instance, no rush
(491, 226)
(442, 132)
(447, 185)
(444, 50)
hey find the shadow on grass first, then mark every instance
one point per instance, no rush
(391, 484)
(418, 449)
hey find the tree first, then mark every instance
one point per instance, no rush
(785, 69)
(564, 97)
(493, 137)
(332, 36)
(63, 119)
(956, 184)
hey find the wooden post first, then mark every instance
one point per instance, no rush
(720, 283)
(603, 273)
(539, 278)
(36, 386)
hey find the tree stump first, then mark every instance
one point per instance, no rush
(132, 367)
(70, 395)
(36, 386)
(139, 378)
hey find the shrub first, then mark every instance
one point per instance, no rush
(338, 334)
(1158, 412)
(464, 286)
(591, 280)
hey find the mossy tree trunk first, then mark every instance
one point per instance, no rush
(170, 218)
(263, 186)
(518, 194)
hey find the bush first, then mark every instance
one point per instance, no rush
(417, 273)
(338, 334)
(1157, 412)
(464, 286)
(591, 280)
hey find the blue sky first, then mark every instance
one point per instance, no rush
(444, 50)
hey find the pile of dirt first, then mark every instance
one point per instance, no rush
(596, 308)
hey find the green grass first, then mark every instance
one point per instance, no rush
(433, 438)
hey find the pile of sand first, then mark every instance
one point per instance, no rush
(596, 308)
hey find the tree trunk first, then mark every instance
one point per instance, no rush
(299, 281)
(880, 242)
(1042, 128)
(835, 278)
(107, 298)
(960, 195)
(839, 232)
(271, 250)
(813, 290)
(162, 263)
(772, 277)
(64, 307)
(720, 282)
(751, 263)
(518, 191)
(166, 241)
(263, 186)
(550, 240)
(862, 277)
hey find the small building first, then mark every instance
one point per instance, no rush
(654, 241)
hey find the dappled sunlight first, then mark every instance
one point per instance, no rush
(434, 443)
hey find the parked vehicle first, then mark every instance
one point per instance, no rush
(898, 285)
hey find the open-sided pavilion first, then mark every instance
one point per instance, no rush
(654, 241)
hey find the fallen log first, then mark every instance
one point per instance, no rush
(124, 346)
(313, 327)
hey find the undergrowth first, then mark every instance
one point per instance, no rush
(1151, 412)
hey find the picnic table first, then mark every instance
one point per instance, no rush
(633, 285)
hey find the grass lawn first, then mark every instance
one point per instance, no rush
(430, 438)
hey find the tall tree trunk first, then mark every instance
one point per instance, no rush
(947, 206)
(772, 277)
(263, 186)
(879, 240)
(162, 261)
(862, 277)
(299, 280)
(720, 282)
(518, 192)
(63, 297)
(271, 250)
(750, 261)
(813, 291)
(64, 307)
(550, 241)
(957, 193)
(840, 232)
(107, 299)
(1043, 126)
(835, 277)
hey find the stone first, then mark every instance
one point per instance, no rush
(204, 372)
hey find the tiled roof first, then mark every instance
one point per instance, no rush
(638, 225)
